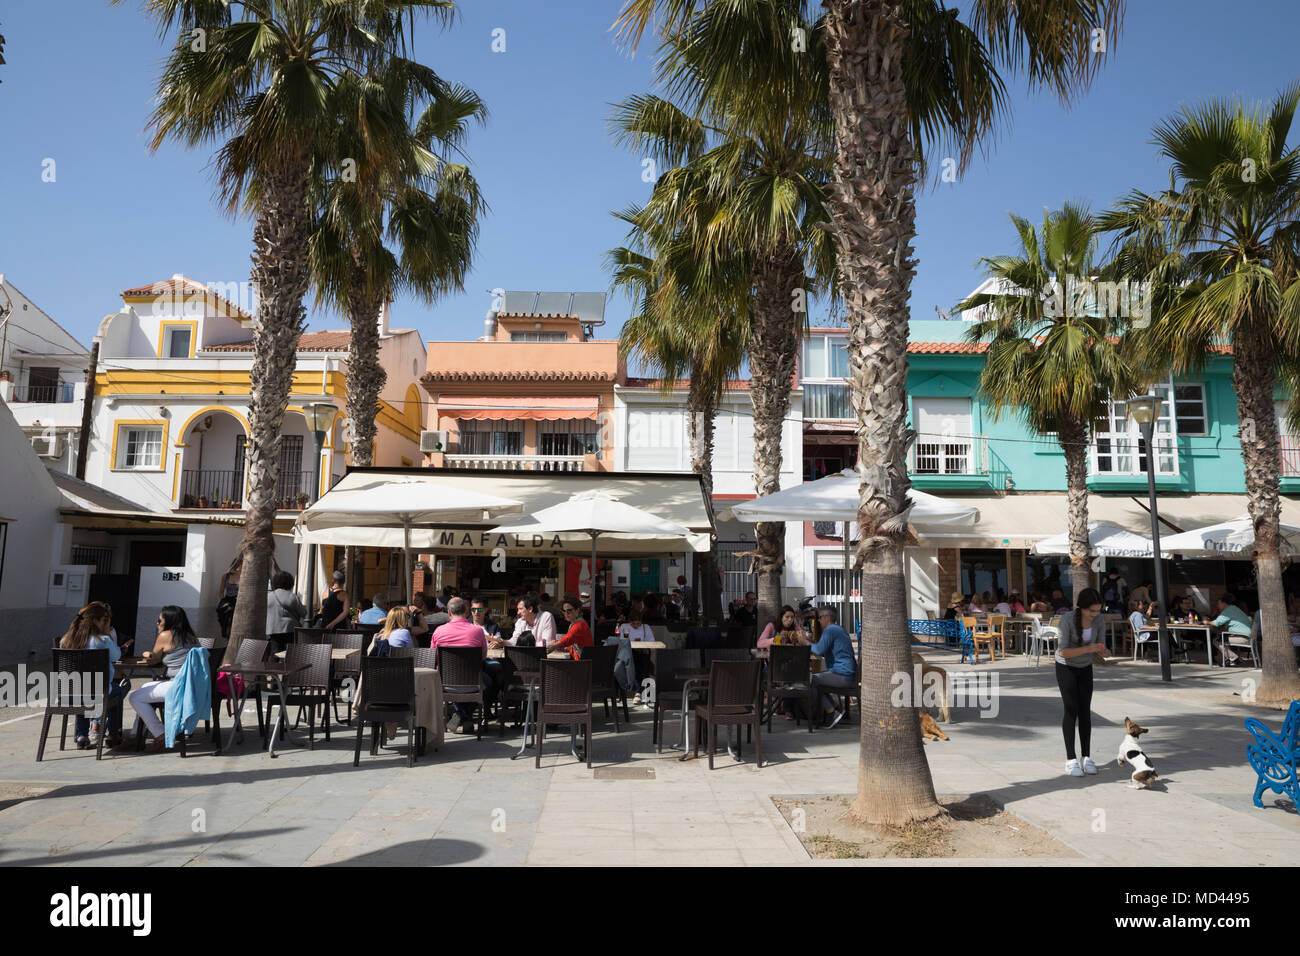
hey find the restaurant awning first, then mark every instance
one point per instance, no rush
(678, 498)
(536, 408)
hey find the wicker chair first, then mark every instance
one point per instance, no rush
(389, 685)
(309, 688)
(668, 687)
(215, 654)
(702, 638)
(603, 686)
(735, 697)
(426, 657)
(312, 635)
(251, 651)
(88, 666)
(402, 652)
(789, 674)
(564, 698)
(349, 669)
(523, 669)
(740, 636)
(461, 670)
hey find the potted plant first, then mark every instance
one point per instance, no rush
(203, 501)
(302, 500)
(225, 502)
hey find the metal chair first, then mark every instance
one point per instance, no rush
(77, 679)
(564, 697)
(389, 685)
(1143, 637)
(734, 699)
(309, 688)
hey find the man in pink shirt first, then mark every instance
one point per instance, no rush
(460, 631)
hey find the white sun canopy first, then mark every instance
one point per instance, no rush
(596, 513)
(1105, 540)
(835, 498)
(677, 499)
(1228, 537)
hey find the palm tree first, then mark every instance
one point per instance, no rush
(261, 80)
(905, 75)
(1220, 247)
(1046, 361)
(754, 138)
(689, 320)
(405, 195)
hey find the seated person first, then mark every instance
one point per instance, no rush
(1140, 614)
(92, 630)
(175, 639)
(377, 611)
(1235, 623)
(747, 613)
(956, 609)
(789, 633)
(419, 618)
(532, 619)
(635, 628)
(460, 631)
(396, 630)
(481, 615)
(579, 634)
(836, 648)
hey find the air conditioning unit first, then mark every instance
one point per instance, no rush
(48, 444)
(433, 441)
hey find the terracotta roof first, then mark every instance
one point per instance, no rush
(180, 285)
(738, 385)
(461, 375)
(947, 348)
(334, 341)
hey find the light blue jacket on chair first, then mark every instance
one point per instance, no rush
(189, 695)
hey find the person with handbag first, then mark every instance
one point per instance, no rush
(284, 611)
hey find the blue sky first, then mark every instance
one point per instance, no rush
(80, 74)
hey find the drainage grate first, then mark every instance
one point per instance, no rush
(623, 773)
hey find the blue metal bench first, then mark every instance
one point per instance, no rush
(1274, 756)
(949, 634)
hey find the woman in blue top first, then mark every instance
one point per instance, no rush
(396, 630)
(92, 630)
(836, 648)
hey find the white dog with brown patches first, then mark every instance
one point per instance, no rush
(1130, 752)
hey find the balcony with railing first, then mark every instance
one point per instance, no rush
(518, 462)
(827, 401)
(1290, 454)
(57, 394)
(209, 488)
(949, 460)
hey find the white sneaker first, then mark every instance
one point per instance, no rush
(1073, 769)
(1089, 766)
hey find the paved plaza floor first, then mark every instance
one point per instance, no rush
(469, 803)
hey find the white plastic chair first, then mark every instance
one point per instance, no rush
(1041, 637)
(1145, 637)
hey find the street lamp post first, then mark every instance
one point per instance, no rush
(1145, 410)
(319, 416)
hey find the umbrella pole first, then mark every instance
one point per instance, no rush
(406, 561)
(592, 578)
(848, 581)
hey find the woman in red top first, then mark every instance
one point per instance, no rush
(579, 634)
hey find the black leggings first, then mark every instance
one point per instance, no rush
(1076, 694)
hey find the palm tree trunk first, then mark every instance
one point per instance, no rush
(366, 377)
(280, 276)
(1254, 376)
(702, 410)
(773, 344)
(873, 216)
(1073, 436)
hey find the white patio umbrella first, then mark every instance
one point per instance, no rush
(599, 515)
(1227, 537)
(835, 498)
(1105, 539)
(381, 514)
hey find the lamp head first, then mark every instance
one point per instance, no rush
(1145, 409)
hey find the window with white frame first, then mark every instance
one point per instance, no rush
(944, 436)
(139, 447)
(1117, 447)
(826, 357)
(1288, 442)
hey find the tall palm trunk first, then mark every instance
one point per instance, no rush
(1254, 376)
(773, 343)
(1073, 436)
(702, 410)
(366, 377)
(280, 276)
(873, 216)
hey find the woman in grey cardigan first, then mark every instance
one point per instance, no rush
(1079, 644)
(284, 611)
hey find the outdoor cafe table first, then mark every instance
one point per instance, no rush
(1200, 630)
(274, 672)
(154, 668)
